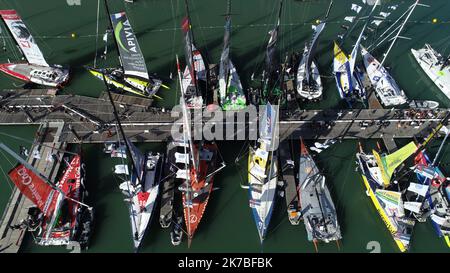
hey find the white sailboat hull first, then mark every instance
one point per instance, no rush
(142, 218)
(262, 192)
(385, 86)
(428, 61)
(303, 91)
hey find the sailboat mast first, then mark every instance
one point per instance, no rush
(186, 128)
(191, 42)
(35, 171)
(399, 31)
(440, 148)
(112, 32)
(354, 53)
(226, 42)
(122, 132)
(186, 125)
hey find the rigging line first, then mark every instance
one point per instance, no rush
(128, 177)
(202, 34)
(37, 143)
(173, 37)
(3, 171)
(382, 36)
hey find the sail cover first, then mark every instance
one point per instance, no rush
(312, 48)
(225, 58)
(23, 37)
(188, 43)
(133, 61)
(268, 123)
(390, 162)
(34, 188)
(138, 160)
(271, 56)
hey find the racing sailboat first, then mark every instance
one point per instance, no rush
(348, 80)
(200, 162)
(195, 70)
(141, 190)
(319, 212)
(132, 76)
(435, 66)
(232, 96)
(36, 69)
(309, 84)
(59, 217)
(437, 193)
(267, 88)
(385, 86)
(263, 171)
(377, 172)
(389, 195)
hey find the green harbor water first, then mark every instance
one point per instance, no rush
(227, 225)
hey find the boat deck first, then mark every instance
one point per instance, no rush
(290, 186)
(17, 207)
(168, 189)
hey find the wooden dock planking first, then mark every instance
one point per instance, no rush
(17, 208)
(91, 120)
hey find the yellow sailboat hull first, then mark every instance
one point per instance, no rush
(120, 85)
(392, 229)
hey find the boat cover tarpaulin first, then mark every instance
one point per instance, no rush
(312, 49)
(268, 123)
(34, 188)
(133, 61)
(138, 161)
(389, 163)
(23, 37)
(271, 56)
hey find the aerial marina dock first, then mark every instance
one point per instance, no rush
(91, 120)
(238, 126)
(47, 141)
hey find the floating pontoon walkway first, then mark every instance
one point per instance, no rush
(91, 120)
(17, 208)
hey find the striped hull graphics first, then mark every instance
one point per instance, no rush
(125, 85)
(43, 75)
(399, 227)
(355, 89)
(196, 199)
(261, 194)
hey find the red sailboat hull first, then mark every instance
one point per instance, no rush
(199, 193)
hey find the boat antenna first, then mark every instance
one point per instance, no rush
(399, 31)
(35, 171)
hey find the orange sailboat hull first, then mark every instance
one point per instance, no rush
(200, 189)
